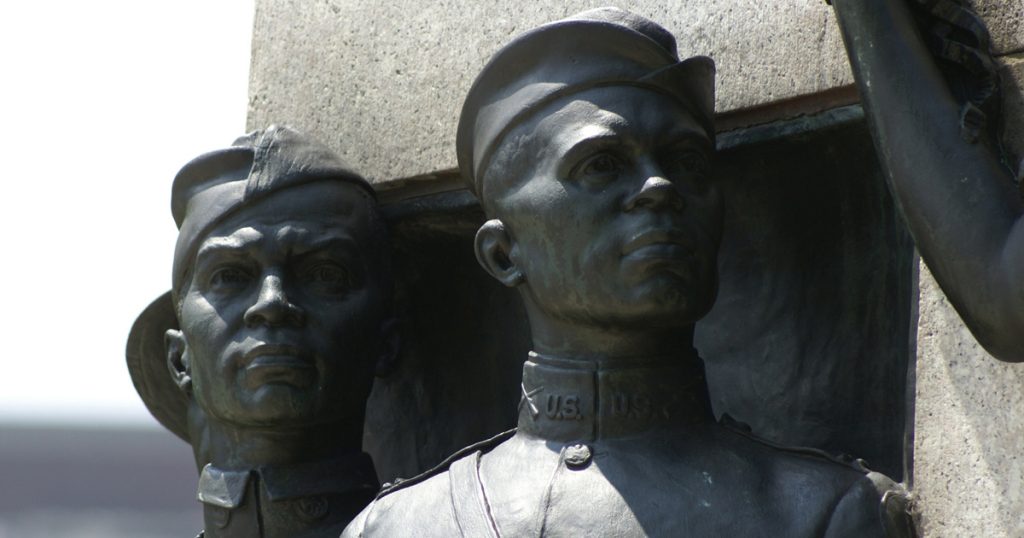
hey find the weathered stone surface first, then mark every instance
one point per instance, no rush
(1005, 20)
(969, 429)
(383, 82)
(1012, 77)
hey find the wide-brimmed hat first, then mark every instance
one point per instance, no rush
(205, 192)
(595, 48)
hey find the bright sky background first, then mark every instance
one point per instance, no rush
(101, 102)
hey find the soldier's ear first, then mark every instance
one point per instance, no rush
(494, 248)
(391, 346)
(178, 359)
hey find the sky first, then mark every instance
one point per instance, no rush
(101, 103)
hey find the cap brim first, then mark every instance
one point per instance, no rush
(147, 364)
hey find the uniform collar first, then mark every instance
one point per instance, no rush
(581, 400)
(226, 488)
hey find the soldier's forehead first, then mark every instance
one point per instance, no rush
(308, 232)
(600, 112)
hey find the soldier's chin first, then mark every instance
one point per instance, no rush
(282, 404)
(672, 301)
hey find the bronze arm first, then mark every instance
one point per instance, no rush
(958, 199)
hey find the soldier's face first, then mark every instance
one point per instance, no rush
(282, 316)
(612, 212)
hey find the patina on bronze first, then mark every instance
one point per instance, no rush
(928, 85)
(263, 353)
(588, 144)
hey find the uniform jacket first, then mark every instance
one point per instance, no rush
(315, 499)
(632, 450)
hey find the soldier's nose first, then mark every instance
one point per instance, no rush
(272, 307)
(656, 193)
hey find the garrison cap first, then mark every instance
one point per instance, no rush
(206, 191)
(596, 48)
(215, 185)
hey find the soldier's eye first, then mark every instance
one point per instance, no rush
(328, 277)
(230, 278)
(689, 162)
(600, 164)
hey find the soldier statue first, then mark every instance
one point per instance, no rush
(588, 143)
(263, 353)
(931, 92)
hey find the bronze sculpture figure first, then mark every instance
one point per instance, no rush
(263, 353)
(588, 144)
(928, 98)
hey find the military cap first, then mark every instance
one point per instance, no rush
(596, 48)
(205, 192)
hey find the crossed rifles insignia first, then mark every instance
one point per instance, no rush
(528, 400)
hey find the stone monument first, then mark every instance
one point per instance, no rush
(589, 145)
(811, 339)
(822, 334)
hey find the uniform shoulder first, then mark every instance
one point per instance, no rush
(843, 463)
(859, 501)
(424, 499)
(426, 506)
(874, 506)
(483, 446)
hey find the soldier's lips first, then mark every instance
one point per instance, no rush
(658, 245)
(277, 356)
(277, 365)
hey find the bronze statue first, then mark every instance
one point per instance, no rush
(929, 88)
(263, 353)
(588, 143)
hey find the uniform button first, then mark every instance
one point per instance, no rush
(312, 508)
(577, 456)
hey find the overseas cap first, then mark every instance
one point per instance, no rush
(205, 192)
(215, 185)
(595, 48)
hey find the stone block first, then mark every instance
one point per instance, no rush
(968, 454)
(1005, 20)
(1012, 77)
(383, 82)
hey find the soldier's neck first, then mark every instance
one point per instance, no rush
(230, 447)
(587, 342)
(596, 395)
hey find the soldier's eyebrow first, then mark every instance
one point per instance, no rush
(587, 139)
(233, 243)
(305, 240)
(684, 134)
(334, 242)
